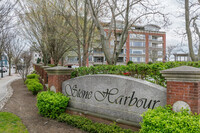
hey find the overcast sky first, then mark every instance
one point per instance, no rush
(178, 23)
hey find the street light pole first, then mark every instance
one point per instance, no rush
(1, 66)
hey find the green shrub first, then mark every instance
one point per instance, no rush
(51, 104)
(87, 125)
(164, 120)
(129, 62)
(33, 76)
(31, 80)
(34, 86)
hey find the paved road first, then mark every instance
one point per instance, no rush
(5, 81)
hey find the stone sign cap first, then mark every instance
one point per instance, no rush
(182, 73)
(59, 70)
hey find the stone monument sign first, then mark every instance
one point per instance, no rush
(120, 97)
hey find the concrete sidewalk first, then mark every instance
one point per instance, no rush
(5, 89)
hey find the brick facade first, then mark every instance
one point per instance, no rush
(184, 91)
(56, 81)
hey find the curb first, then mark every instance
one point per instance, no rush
(9, 93)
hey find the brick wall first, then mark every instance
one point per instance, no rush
(188, 92)
(56, 80)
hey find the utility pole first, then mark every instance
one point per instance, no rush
(1, 66)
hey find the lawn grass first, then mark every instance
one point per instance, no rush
(10, 123)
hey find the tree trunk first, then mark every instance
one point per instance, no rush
(16, 67)
(188, 31)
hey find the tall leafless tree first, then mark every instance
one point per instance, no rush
(192, 18)
(6, 7)
(46, 29)
(25, 65)
(76, 14)
(8, 48)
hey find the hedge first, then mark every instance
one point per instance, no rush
(149, 72)
(89, 126)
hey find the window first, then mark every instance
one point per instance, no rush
(98, 50)
(90, 58)
(137, 59)
(137, 44)
(137, 36)
(131, 43)
(154, 37)
(120, 59)
(137, 52)
(112, 43)
(73, 59)
(131, 36)
(98, 59)
(150, 44)
(35, 55)
(159, 52)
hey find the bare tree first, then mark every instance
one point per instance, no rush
(169, 51)
(192, 19)
(153, 55)
(8, 48)
(18, 47)
(5, 9)
(25, 64)
(47, 29)
(129, 12)
(76, 14)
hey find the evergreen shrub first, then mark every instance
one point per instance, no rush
(164, 120)
(51, 104)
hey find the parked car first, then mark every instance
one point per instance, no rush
(4, 69)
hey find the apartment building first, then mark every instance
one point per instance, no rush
(144, 44)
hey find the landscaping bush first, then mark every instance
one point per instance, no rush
(164, 120)
(129, 62)
(87, 125)
(33, 76)
(51, 104)
(34, 86)
(149, 72)
(31, 80)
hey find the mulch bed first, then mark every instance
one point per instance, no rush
(23, 104)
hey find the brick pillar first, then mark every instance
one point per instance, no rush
(183, 88)
(41, 71)
(45, 81)
(56, 75)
